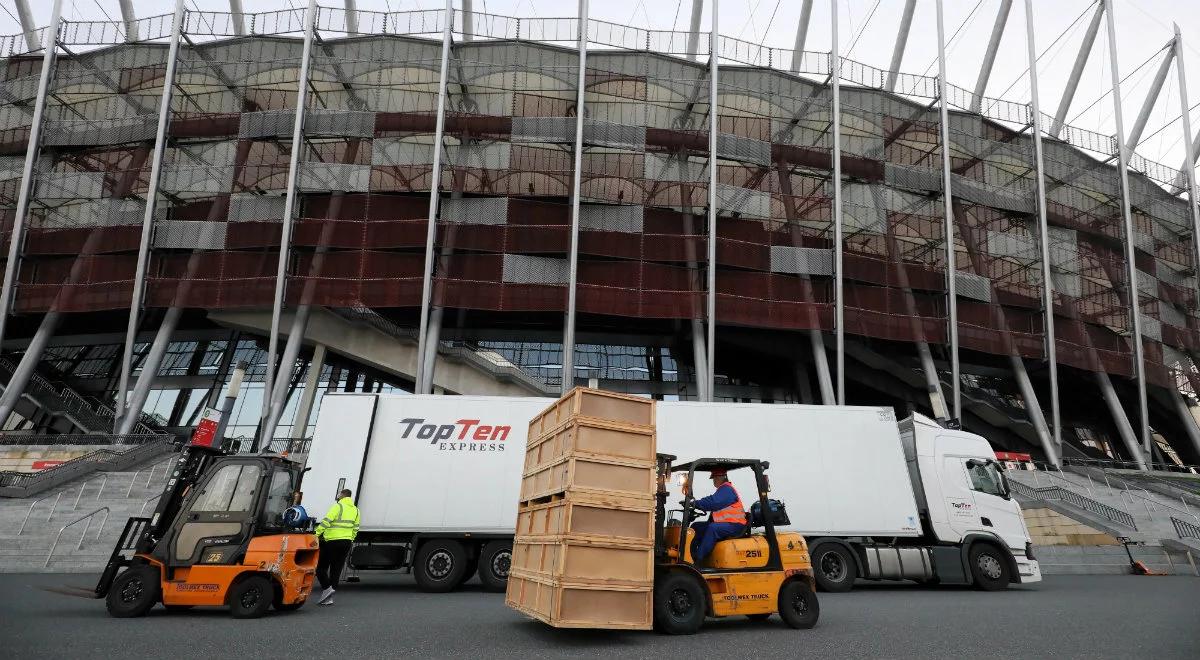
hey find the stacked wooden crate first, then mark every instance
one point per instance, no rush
(583, 556)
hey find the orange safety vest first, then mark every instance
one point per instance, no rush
(734, 513)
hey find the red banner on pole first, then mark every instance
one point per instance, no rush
(205, 434)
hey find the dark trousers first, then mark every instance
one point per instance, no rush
(330, 561)
(707, 535)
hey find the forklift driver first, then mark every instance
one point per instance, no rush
(728, 516)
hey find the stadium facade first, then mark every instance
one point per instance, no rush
(746, 227)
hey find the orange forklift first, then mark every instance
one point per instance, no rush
(225, 533)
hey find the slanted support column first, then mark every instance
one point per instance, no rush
(156, 161)
(25, 192)
(1160, 77)
(801, 35)
(424, 379)
(989, 57)
(291, 350)
(839, 311)
(1051, 347)
(1034, 407)
(1186, 418)
(130, 19)
(1120, 419)
(901, 44)
(28, 364)
(693, 43)
(1135, 313)
(713, 112)
(1085, 50)
(568, 359)
(821, 363)
(26, 18)
(948, 211)
(289, 209)
(145, 381)
(312, 380)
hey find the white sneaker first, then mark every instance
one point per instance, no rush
(327, 594)
(327, 601)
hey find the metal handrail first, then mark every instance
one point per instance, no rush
(1071, 497)
(147, 503)
(1185, 529)
(50, 515)
(1146, 497)
(83, 487)
(79, 546)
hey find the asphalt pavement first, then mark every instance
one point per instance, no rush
(385, 616)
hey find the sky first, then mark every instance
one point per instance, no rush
(867, 31)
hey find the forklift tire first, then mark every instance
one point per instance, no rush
(679, 604)
(440, 565)
(989, 567)
(134, 592)
(834, 568)
(495, 560)
(798, 606)
(251, 597)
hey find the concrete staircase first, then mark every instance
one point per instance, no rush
(82, 548)
(1112, 560)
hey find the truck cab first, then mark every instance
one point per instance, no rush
(963, 495)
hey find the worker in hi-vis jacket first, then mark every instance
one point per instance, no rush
(335, 533)
(728, 516)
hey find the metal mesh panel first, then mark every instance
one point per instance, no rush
(249, 207)
(340, 123)
(191, 234)
(70, 185)
(744, 202)
(271, 123)
(89, 132)
(318, 177)
(612, 134)
(974, 286)
(746, 150)
(401, 151)
(475, 211)
(543, 129)
(801, 261)
(523, 269)
(625, 219)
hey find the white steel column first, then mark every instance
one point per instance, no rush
(1186, 418)
(568, 359)
(289, 207)
(1043, 227)
(1085, 50)
(901, 43)
(801, 35)
(130, 19)
(156, 160)
(948, 211)
(989, 57)
(1189, 172)
(1160, 77)
(714, 47)
(693, 43)
(351, 16)
(17, 237)
(26, 18)
(424, 379)
(28, 364)
(291, 350)
(839, 306)
(1135, 312)
(239, 17)
(468, 20)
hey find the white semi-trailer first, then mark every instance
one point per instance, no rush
(437, 480)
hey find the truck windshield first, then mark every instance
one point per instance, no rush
(986, 478)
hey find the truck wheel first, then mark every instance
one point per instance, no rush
(440, 565)
(834, 568)
(250, 598)
(798, 606)
(134, 592)
(989, 567)
(495, 560)
(678, 604)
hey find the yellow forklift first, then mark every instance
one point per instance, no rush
(755, 575)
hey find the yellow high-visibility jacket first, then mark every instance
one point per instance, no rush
(341, 522)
